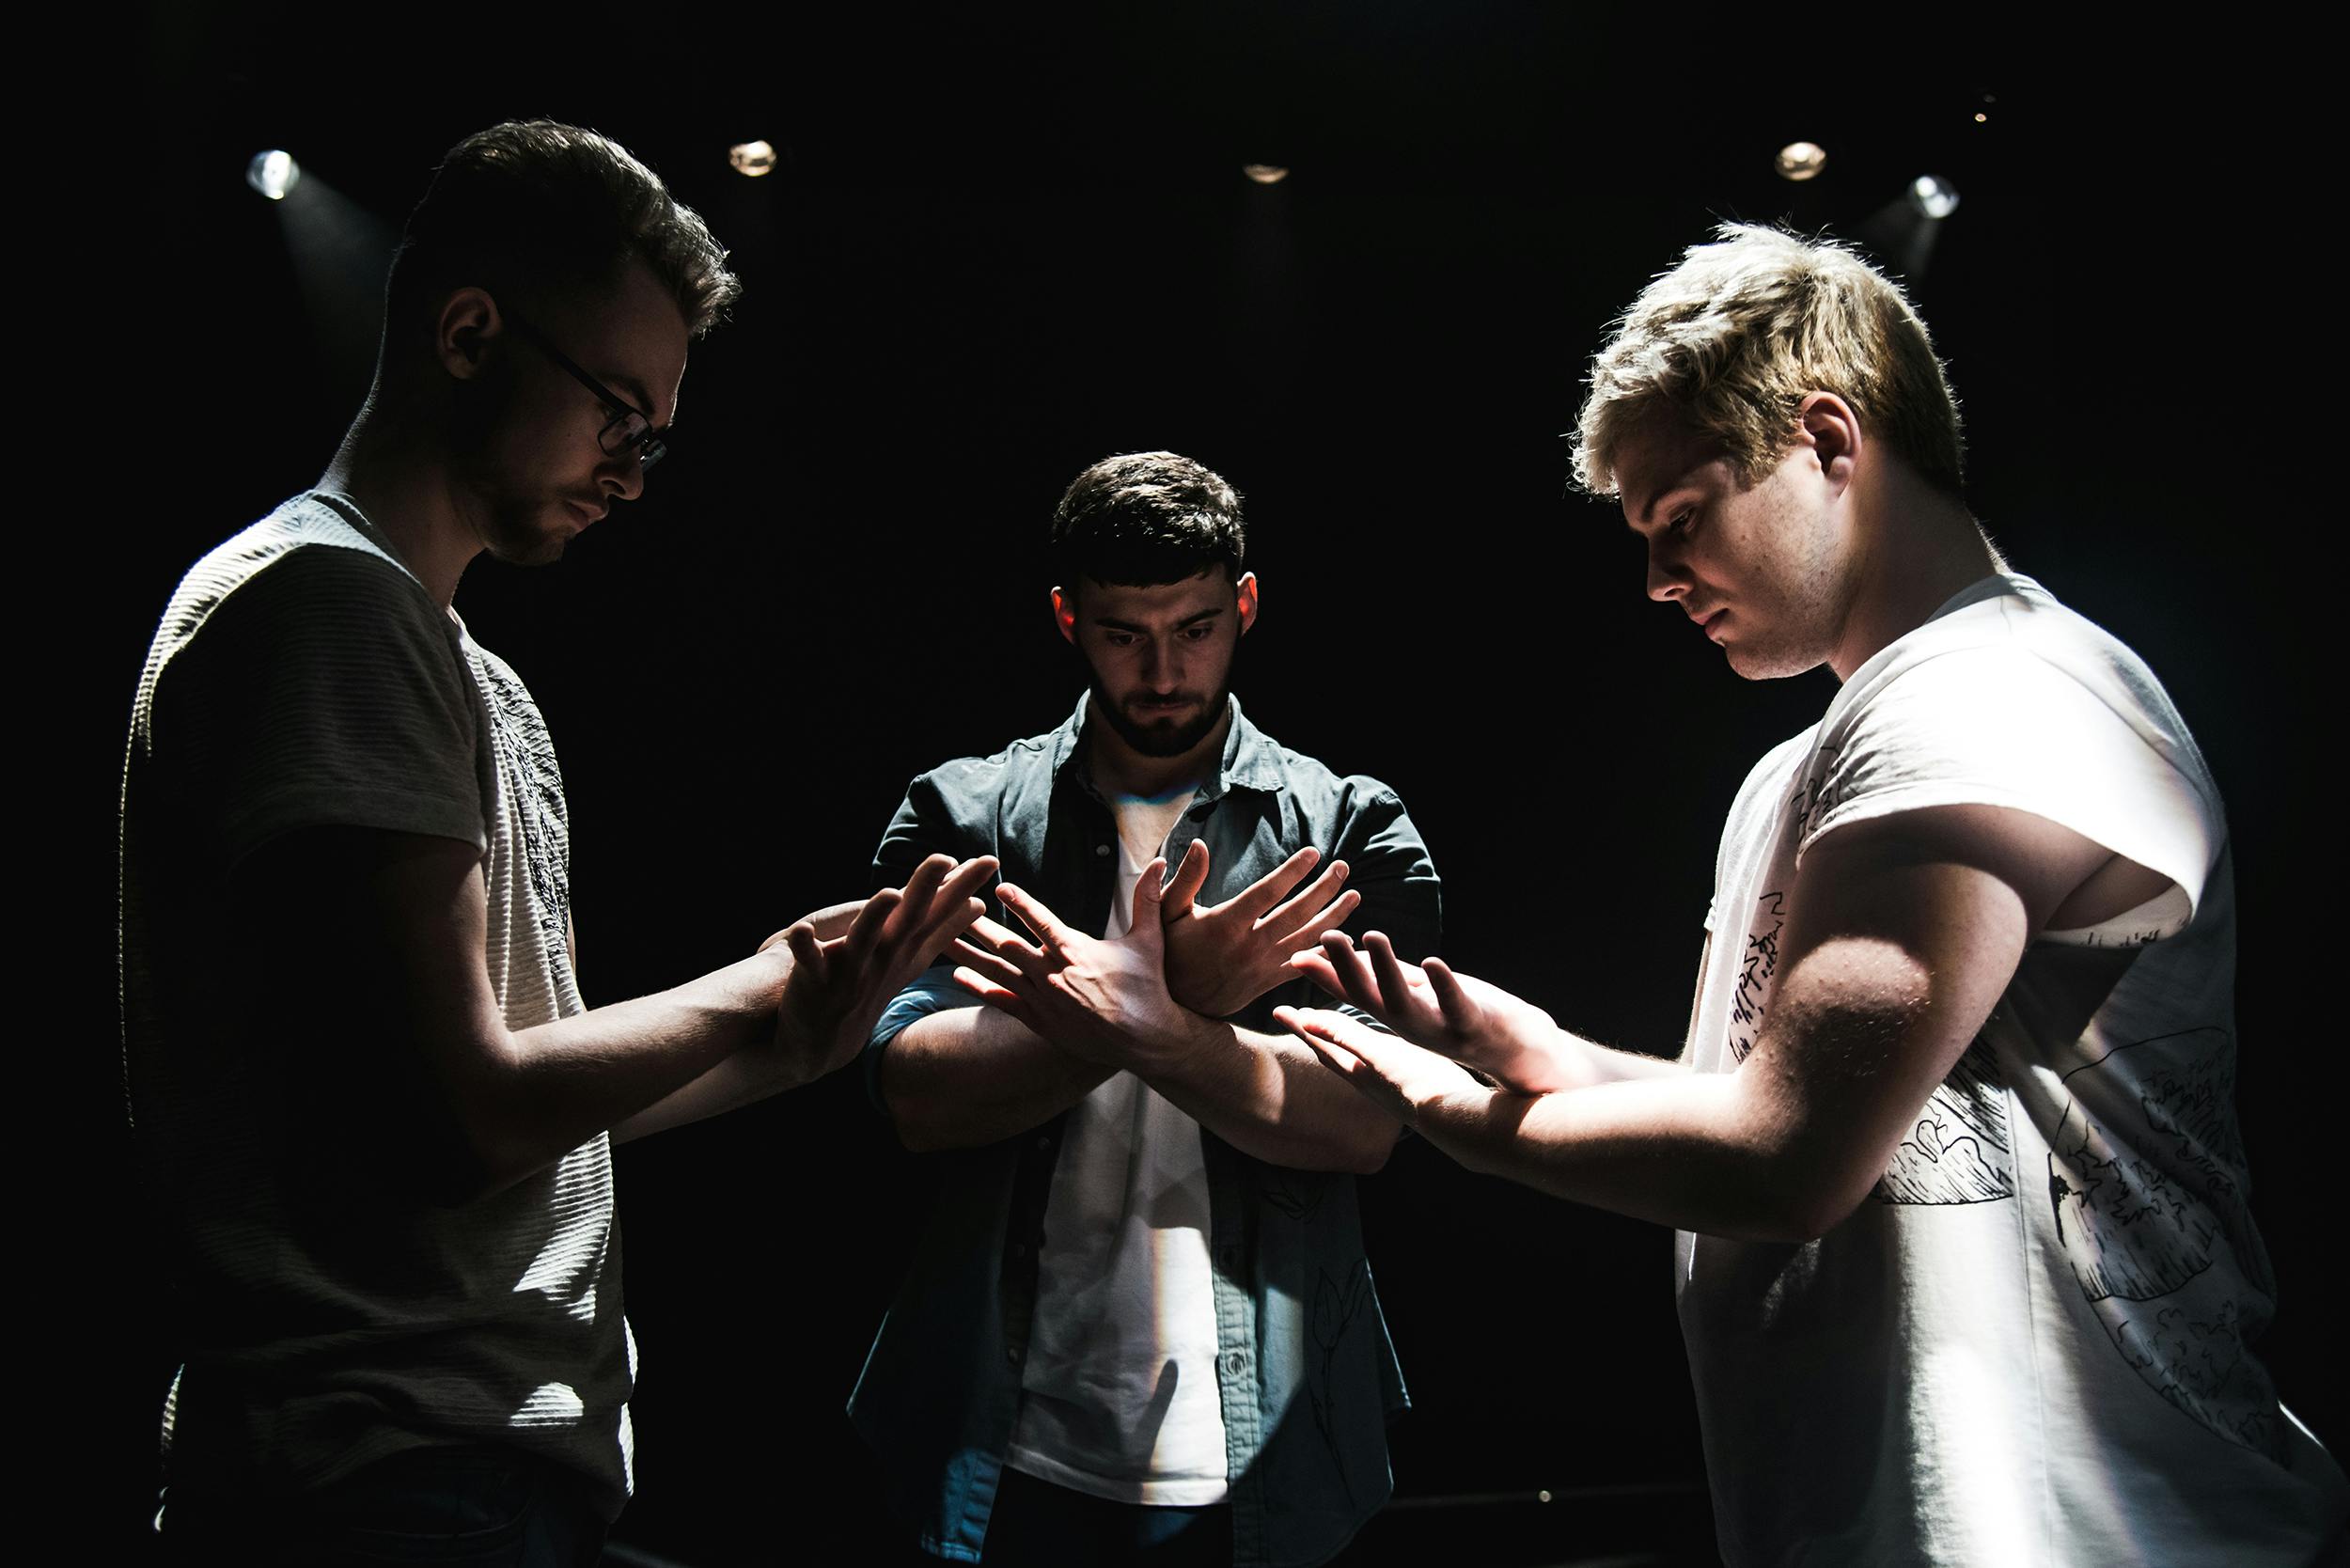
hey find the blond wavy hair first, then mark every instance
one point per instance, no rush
(1733, 339)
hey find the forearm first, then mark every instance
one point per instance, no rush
(1270, 1097)
(632, 1067)
(1688, 1151)
(1567, 1061)
(966, 1076)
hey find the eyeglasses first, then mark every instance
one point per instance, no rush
(625, 431)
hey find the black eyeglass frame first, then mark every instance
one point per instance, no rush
(649, 444)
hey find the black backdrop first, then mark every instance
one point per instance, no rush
(995, 251)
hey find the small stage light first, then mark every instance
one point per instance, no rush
(752, 158)
(1801, 159)
(1265, 174)
(1934, 196)
(273, 174)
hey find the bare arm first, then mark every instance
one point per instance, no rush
(970, 1075)
(1106, 1003)
(1505, 1037)
(1904, 934)
(383, 1025)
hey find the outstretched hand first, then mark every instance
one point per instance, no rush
(1458, 1015)
(1403, 1079)
(849, 960)
(1105, 1001)
(1223, 957)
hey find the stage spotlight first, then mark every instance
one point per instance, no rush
(1933, 196)
(1801, 159)
(1265, 174)
(273, 174)
(752, 158)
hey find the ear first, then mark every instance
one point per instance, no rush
(1065, 614)
(1828, 426)
(1245, 596)
(469, 319)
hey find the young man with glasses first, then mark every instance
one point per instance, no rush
(1140, 1328)
(374, 1113)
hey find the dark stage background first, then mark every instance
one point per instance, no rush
(997, 250)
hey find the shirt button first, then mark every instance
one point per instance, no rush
(1228, 1257)
(1044, 1140)
(1012, 1354)
(1101, 849)
(1236, 1363)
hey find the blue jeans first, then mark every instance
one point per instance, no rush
(473, 1507)
(1036, 1524)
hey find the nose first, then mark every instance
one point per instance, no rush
(622, 476)
(1667, 578)
(1158, 665)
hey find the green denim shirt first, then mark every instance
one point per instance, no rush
(1308, 1378)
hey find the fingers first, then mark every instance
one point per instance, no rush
(994, 995)
(1394, 985)
(1149, 891)
(1190, 876)
(999, 967)
(1452, 999)
(866, 929)
(1314, 1027)
(914, 898)
(1355, 983)
(807, 951)
(1002, 940)
(1267, 890)
(1316, 893)
(1318, 926)
(964, 883)
(1315, 965)
(1050, 932)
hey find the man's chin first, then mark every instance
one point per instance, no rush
(527, 546)
(1167, 737)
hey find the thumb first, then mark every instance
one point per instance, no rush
(1150, 897)
(1191, 875)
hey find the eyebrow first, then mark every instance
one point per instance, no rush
(1117, 625)
(637, 391)
(1639, 514)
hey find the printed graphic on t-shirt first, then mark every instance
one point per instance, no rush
(535, 784)
(1959, 1151)
(2142, 1241)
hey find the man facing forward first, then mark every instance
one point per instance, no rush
(1964, 1265)
(1141, 1321)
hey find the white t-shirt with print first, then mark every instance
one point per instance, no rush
(2032, 1345)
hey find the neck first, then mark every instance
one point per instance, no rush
(405, 484)
(1923, 547)
(1119, 769)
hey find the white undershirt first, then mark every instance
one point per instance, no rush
(1119, 1396)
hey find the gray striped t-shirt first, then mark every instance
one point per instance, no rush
(301, 678)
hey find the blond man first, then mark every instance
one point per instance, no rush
(1963, 1260)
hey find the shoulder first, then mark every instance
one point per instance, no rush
(301, 573)
(1019, 764)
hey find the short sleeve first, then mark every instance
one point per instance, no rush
(327, 690)
(1388, 864)
(2002, 726)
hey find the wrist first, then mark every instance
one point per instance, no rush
(1170, 1043)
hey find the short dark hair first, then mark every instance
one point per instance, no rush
(536, 207)
(1147, 518)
